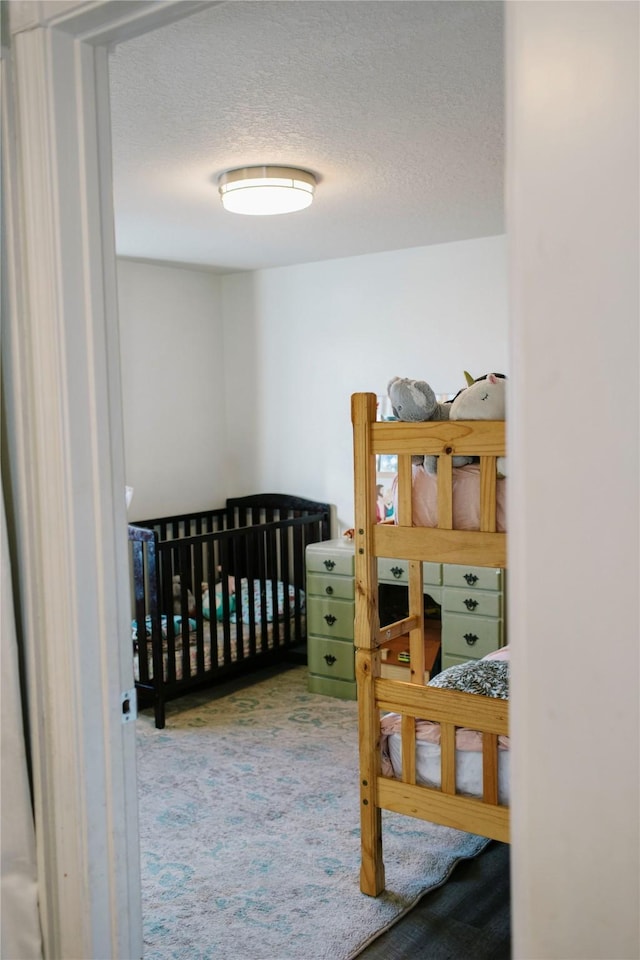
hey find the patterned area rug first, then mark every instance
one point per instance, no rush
(249, 827)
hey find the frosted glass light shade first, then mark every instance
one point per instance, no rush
(266, 191)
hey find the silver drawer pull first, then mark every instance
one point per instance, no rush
(329, 590)
(330, 619)
(470, 578)
(471, 604)
(329, 564)
(397, 572)
(471, 638)
(329, 659)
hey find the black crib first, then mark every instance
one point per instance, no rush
(219, 593)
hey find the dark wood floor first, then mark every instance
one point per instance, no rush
(468, 918)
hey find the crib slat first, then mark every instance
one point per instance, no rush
(140, 611)
(166, 602)
(184, 566)
(271, 583)
(299, 545)
(226, 565)
(211, 587)
(152, 603)
(285, 576)
(251, 547)
(198, 573)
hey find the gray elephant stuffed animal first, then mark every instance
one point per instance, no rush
(415, 401)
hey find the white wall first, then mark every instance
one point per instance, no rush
(171, 339)
(573, 239)
(300, 340)
(242, 383)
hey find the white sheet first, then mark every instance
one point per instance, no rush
(468, 761)
(468, 767)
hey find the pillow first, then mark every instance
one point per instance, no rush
(261, 588)
(466, 498)
(489, 678)
(501, 654)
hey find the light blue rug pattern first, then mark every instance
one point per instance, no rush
(249, 826)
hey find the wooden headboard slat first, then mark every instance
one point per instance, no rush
(488, 492)
(441, 546)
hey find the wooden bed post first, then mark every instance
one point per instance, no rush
(367, 627)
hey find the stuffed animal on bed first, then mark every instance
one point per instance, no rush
(206, 606)
(483, 399)
(415, 401)
(177, 597)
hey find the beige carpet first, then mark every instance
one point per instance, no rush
(249, 827)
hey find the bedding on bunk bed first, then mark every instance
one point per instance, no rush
(466, 498)
(487, 677)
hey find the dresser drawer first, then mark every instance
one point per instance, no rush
(470, 637)
(331, 658)
(333, 560)
(450, 661)
(397, 571)
(320, 584)
(483, 603)
(479, 578)
(328, 687)
(331, 618)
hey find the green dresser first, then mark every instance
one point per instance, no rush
(473, 612)
(397, 571)
(330, 616)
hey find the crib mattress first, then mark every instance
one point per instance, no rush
(202, 657)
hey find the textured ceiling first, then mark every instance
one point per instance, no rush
(396, 106)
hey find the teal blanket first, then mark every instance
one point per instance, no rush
(177, 626)
(260, 592)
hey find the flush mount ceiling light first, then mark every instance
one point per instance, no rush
(265, 191)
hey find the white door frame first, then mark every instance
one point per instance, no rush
(61, 372)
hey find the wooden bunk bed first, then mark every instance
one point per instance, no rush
(452, 710)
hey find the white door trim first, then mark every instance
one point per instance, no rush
(65, 441)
